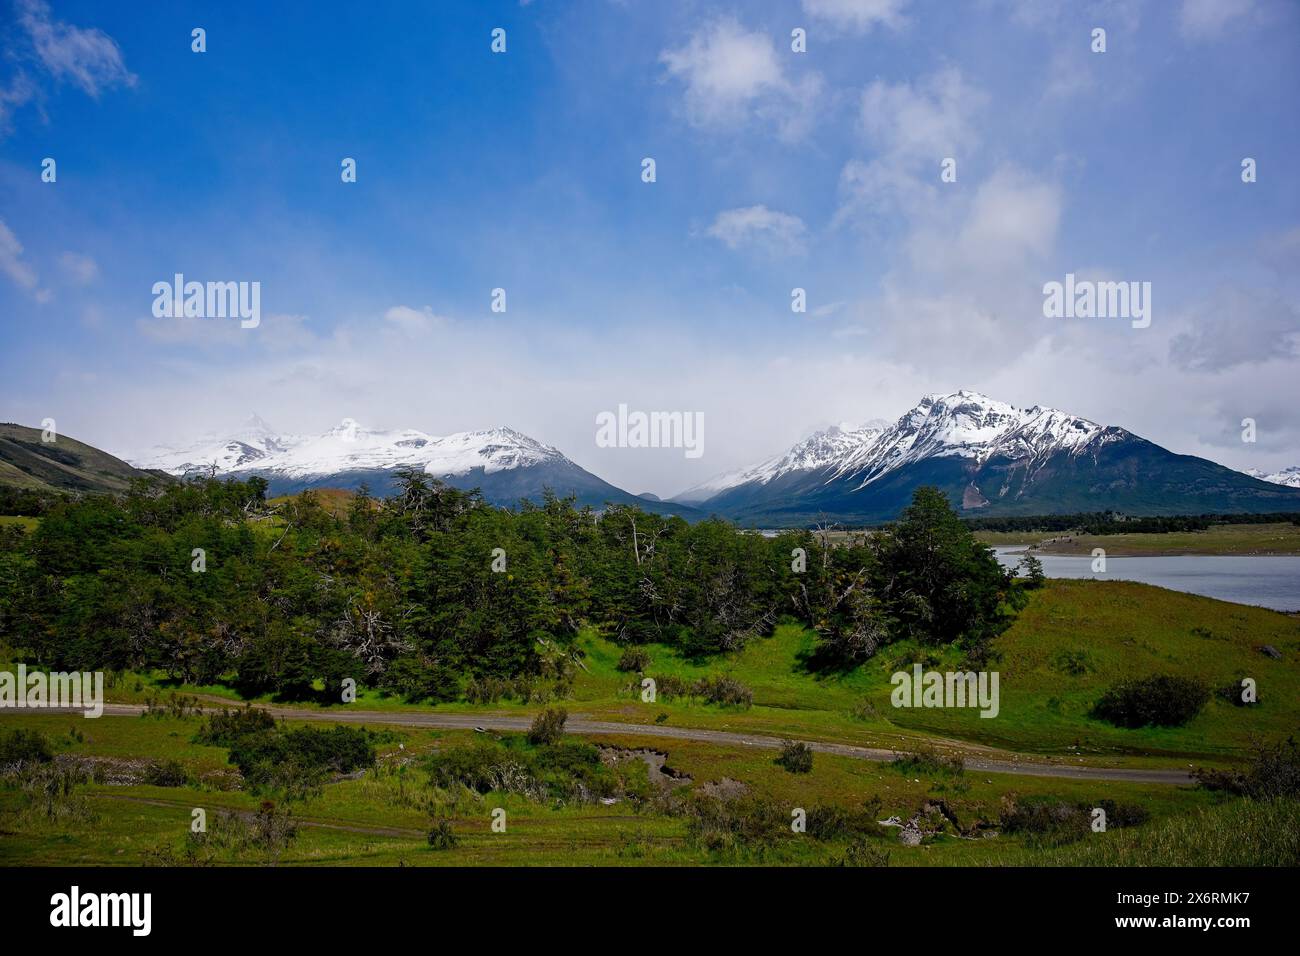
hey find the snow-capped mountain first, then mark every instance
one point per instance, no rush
(835, 444)
(504, 464)
(990, 457)
(1290, 477)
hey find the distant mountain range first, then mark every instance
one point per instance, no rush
(989, 457)
(1287, 476)
(505, 465)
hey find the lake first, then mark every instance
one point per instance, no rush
(1264, 581)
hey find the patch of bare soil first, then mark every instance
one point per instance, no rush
(656, 761)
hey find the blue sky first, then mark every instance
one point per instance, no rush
(775, 170)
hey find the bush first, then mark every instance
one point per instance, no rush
(1073, 662)
(926, 761)
(745, 823)
(724, 690)
(669, 686)
(862, 852)
(566, 771)
(1047, 821)
(1051, 822)
(835, 822)
(1162, 700)
(1233, 692)
(548, 726)
(166, 773)
(297, 761)
(796, 757)
(224, 727)
(441, 836)
(634, 659)
(1274, 771)
(1120, 815)
(24, 747)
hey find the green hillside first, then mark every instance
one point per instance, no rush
(64, 464)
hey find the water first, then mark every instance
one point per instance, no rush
(1264, 581)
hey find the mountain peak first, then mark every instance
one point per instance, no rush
(964, 423)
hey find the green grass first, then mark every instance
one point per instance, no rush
(1115, 630)
(1237, 833)
(1109, 631)
(21, 521)
(1273, 539)
(124, 824)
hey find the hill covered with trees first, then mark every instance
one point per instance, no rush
(431, 593)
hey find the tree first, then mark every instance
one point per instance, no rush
(1032, 569)
(943, 585)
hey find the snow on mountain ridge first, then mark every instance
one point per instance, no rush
(964, 423)
(1290, 477)
(818, 450)
(349, 446)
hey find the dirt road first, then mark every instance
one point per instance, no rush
(1004, 762)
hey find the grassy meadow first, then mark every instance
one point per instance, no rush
(1071, 642)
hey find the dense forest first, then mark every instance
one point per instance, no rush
(431, 592)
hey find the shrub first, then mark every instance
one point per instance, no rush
(796, 757)
(724, 690)
(224, 727)
(166, 773)
(296, 761)
(478, 766)
(1162, 700)
(24, 747)
(1051, 822)
(861, 852)
(1072, 662)
(835, 822)
(548, 726)
(1046, 821)
(1124, 814)
(1274, 771)
(567, 771)
(714, 689)
(735, 824)
(926, 761)
(1233, 692)
(634, 659)
(441, 836)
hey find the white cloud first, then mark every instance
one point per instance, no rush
(964, 297)
(759, 227)
(1238, 326)
(19, 91)
(82, 270)
(1206, 18)
(733, 75)
(12, 263)
(858, 16)
(412, 321)
(934, 119)
(276, 332)
(913, 128)
(89, 58)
